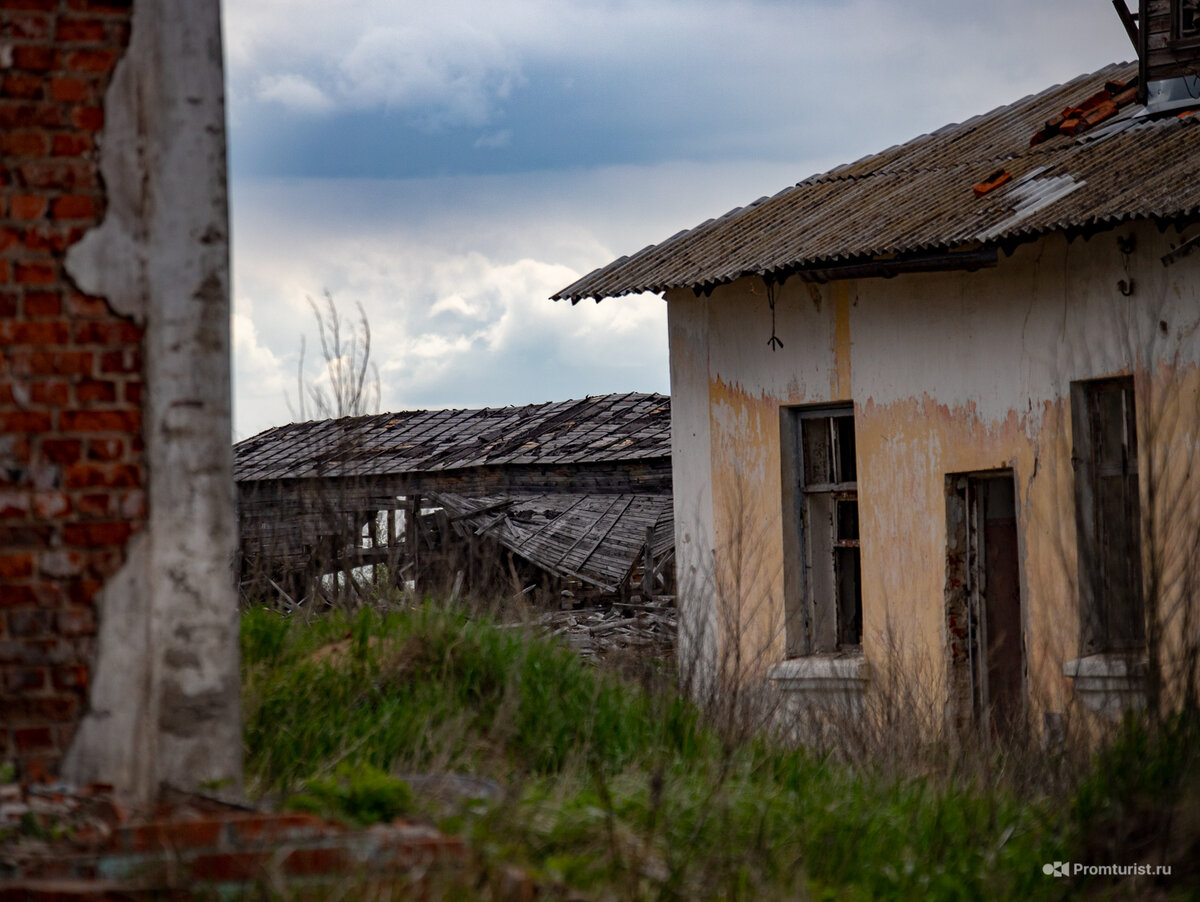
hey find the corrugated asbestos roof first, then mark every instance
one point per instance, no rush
(617, 427)
(917, 198)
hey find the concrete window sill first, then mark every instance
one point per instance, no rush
(823, 678)
(1109, 684)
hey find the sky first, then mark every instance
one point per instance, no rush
(450, 166)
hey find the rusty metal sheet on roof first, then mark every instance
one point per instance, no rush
(595, 538)
(917, 198)
(604, 428)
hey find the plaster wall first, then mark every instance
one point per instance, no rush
(948, 372)
(163, 705)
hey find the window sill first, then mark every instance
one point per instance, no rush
(1110, 684)
(830, 676)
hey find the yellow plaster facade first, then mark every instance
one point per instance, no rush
(948, 373)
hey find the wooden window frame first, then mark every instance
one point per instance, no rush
(1108, 516)
(819, 490)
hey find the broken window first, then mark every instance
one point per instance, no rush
(822, 576)
(1108, 515)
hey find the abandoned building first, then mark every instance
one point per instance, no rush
(573, 496)
(935, 412)
(118, 629)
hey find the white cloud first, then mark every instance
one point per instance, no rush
(293, 91)
(454, 73)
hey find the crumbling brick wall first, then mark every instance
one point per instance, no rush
(72, 473)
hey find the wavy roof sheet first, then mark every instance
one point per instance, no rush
(618, 427)
(917, 198)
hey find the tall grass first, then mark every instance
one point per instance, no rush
(615, 790)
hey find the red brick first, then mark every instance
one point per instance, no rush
(16, 566)
(117, 476)
(8, 303)
(61, 563)
(313, 862)
(89, 535)
(14, 504)
(71, 677)
(51, 505)
(25, 144)
(53, 363)
(74, 206)
(88, 118)
(15, 596)
(34, 274)
(228, 866)
(105, 560)
(43, 332)
(126, 361)
(114, 332)
(25, 421)
(276, 828)
(16, 451)
(91, 60)
(76, 622)
(94, 505)
(64, 174)
(86, 305)
(34, 58)
(33, 738)
(81, 30)
(82, 592)
(102, 6)
(28, 26)
(133, 392)
(87, 392)
(100, 421)
(71, 145)
(41, 708)
(5, 271)
(28, 206)
(28, 4)
(42, 303)
(48, 594)
(15, 114)
(29, 623)
(38, 769)
(56, 394)
(70, 89)
(62, 450)
(20, 85)
(8, 238)
(24, 679)
(105, 449)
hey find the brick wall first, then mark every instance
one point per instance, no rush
(72, 473)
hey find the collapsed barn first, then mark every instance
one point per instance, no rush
(570, 497)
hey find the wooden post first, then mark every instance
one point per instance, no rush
(648, 565)
(412, 540)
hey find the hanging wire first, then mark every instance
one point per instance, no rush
(774, 342)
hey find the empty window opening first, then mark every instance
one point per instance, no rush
(1108, 516)
(983, 603)
(822, 577)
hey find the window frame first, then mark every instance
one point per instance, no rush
(1178, 35)
(1112, 604)
(814, 593)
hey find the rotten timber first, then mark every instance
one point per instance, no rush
(570, 488)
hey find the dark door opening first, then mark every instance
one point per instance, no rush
(987, 653)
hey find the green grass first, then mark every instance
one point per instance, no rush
(608, 788)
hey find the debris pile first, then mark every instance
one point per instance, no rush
(646, 626)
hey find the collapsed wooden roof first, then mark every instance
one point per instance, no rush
(577, 488)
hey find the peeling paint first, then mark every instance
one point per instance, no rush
(950, 373)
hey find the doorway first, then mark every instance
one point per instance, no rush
(984, 616)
